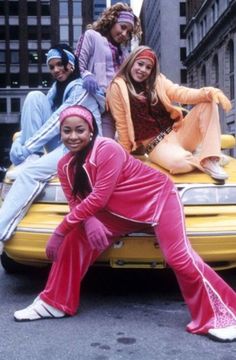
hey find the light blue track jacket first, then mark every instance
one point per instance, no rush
(74, 94)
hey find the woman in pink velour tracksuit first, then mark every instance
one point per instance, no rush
(111, 193)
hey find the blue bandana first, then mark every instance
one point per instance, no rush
(54, 54)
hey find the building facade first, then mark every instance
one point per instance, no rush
(211, 43)
(27, 31)
(28, 28)
(163, 23)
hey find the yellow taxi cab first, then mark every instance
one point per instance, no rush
(210, 211)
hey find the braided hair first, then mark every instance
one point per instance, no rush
(81, 184)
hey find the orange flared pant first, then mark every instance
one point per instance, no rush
(200, 128)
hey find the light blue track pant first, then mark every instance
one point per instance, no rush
(32, 180)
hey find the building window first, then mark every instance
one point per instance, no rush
(191, 82)
(15, 57)
(33, 57)
(215, 11)
(2, 9)
(13, 8)
(44, 56)
(3, 33)
(77, 8)
(3, 105)
(2, 57)
(215, 72)
(46, 32)
(231, 69)
(183, 76)
(45, 8)
(63, 8)
(32, 8)
(203, 27)
(182, 9)
(182, 53)
(46, 80)
(203, 76)
(15, 105)
(64, 33)
(32, 32)
(14, 32)
(15, 80)
(182, 33)
(33, 80)
(3, 81)
(77, 32)
(213, 19)
(98, 8)
(190, 42)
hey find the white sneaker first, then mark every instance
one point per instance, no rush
(213, 168)
(38, 310)
(226, 334)
(224, 160)
(16, 170)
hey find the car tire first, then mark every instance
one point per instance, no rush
(11, 266)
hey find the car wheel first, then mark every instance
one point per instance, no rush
(11, 266)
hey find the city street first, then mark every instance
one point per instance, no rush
(70, 70)
(124, 314)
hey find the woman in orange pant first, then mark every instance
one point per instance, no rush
(110, 194)
(142, 100)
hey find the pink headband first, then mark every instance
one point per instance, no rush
(126, 16)
(79, 111)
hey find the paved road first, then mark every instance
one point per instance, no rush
(127, 315)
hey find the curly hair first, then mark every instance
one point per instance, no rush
(109, 17)
(150, 84)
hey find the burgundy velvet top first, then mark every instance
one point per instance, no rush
(148, 120)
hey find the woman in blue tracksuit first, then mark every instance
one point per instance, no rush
(40, 132)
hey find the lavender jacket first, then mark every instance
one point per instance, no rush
(95, 57)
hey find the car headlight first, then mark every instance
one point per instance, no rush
(209, 195)
(4, 190)
(52, 193)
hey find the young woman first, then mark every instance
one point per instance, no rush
(141, 101)
(40, 131)
(102, 49)
(111, 193)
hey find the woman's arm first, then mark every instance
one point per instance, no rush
(116, 105)
(84, 51)
(186, 95)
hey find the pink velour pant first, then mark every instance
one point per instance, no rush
(211, 302)
(201, 127)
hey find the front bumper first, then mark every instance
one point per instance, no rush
(211, 233)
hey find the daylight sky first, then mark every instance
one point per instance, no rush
(135, 4)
